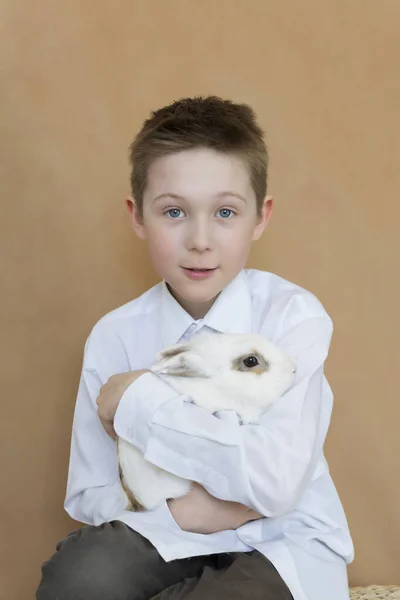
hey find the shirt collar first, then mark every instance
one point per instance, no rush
(230, 313)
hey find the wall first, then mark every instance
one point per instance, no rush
(78, 78)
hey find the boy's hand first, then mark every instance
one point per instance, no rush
(110, 395)
(199, 512)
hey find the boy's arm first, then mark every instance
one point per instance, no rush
(94, 491)
(266, 467)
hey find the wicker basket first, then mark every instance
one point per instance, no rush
(375, 592)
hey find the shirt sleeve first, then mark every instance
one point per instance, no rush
(94, 492)
(266, 466)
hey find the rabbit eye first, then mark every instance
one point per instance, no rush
(250, 362)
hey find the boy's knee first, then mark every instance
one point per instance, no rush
(94, 563)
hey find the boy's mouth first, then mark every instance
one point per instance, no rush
(197, 269)
(198, 273)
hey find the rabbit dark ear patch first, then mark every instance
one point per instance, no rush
(173, 351)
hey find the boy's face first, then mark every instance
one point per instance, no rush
(199, 212)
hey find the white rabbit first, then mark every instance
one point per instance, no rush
(241, 372)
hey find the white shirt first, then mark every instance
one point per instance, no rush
(277, 467)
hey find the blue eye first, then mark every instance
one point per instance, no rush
(226, 213)
(174, 213)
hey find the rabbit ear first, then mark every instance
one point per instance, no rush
(171, 351)
(181, 361)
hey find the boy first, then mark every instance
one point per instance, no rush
(263, 519)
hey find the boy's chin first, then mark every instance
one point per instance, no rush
(199, 296)
(194, 293)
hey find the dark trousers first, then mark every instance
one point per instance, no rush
(113, 562)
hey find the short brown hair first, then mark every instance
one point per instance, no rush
(200, 122)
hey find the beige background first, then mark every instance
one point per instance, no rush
(78, 78)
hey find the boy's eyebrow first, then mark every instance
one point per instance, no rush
(233, 194)
(174, 196)
(219, 195)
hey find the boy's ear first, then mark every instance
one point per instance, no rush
(180, 361)
(136, 218)
(263, 218)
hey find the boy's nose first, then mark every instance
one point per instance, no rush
(199, 238)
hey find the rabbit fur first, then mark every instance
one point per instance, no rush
(245, 373)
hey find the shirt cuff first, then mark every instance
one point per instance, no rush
(134, 415)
